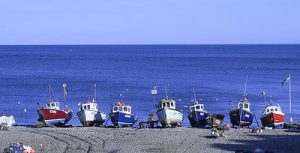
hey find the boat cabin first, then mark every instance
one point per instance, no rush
(244, 104)
(166, 103)
(88, 106)
(273, 109)
(197, 108)
(121, 107)
(53, 105)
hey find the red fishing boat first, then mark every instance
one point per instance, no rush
(51, 114)
(272, 116)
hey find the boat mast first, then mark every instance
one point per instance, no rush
(49, 92)
(65, 94)
(195, 98)
(167, 93)
(95, 96)
(245, 87)
(154, 93)
(265, 98)
(290, 93)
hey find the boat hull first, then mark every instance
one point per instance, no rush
(91, 118)
(198, 118)
(215, 120)
(120, 119)
(170, 117)
(54, 117)
(272, 120)
(241, 117)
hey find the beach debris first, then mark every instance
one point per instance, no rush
(18, 148)
(150, 123)
(227, 126)
(6, 122)
(218, 132)
(293, 127)
(255, 130)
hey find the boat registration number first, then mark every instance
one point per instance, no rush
(52, 111)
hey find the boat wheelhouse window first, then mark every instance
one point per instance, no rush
(272, 110)
(115, 108)
(276, 109)
(120, 108)
(84, 107)
(125, 109)
(52, 104)
(168, 104)
(129, 109)
(172, 104)
(240, 105)
(197, 107)
(246, 106)
(268, 110)
(88, 107)
(164, 104)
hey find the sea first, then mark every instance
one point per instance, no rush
(127, 73)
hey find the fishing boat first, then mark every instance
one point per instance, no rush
(51, 114)
(272, 116)
(167, 113)
(88, 113)
(242, 116)
(6, 122)
(121, 115)
(198, 114)
(215, 120)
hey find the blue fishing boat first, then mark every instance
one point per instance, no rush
(121, 115)
(198, 115)
(242, 116)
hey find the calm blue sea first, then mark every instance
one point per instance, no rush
(216, 72)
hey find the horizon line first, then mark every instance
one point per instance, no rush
(142, 44)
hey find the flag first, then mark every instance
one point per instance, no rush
(286, 80)
(65, 89)
(153, 91)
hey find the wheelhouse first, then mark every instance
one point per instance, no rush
(197, 107)
(88, 106)
(122, 108)
(244, 104)
(273, 109)
(53, 105)
(166, 103)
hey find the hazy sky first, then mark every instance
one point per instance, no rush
(149, 21)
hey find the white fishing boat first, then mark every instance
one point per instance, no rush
(167, 113)
(6, 122)
(88, 113)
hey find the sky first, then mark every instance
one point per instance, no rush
(149, 22)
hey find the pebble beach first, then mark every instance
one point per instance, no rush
(113, 140)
